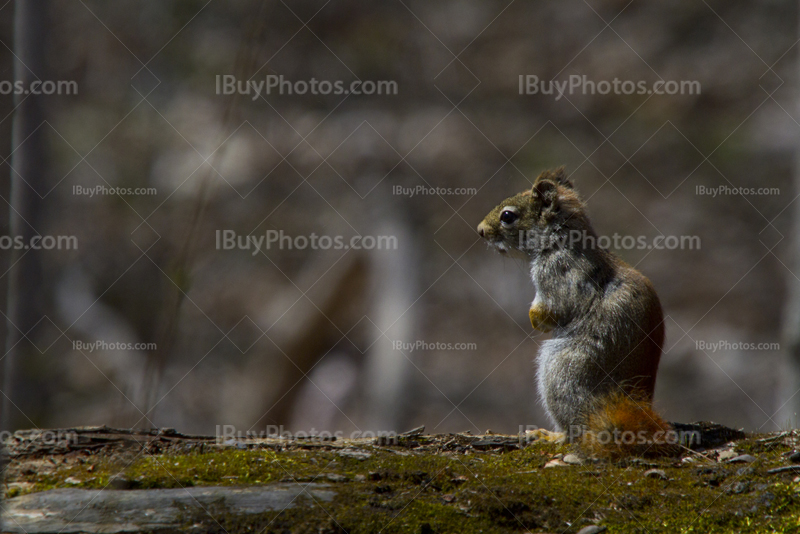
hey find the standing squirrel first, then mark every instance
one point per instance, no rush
(597, 373)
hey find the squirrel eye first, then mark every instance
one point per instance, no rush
(508, 217)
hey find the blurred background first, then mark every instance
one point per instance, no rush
(153, 320)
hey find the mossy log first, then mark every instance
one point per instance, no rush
(106, 480)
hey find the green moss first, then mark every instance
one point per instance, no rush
(395, 490)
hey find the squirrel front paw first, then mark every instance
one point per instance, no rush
(541, 319)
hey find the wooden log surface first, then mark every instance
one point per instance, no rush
(68, 511)
(375, 472)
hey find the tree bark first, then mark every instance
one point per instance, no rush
(28, 185)
(789, 390)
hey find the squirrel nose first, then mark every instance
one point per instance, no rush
(482, 230)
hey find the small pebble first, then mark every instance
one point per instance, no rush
(336, 478)
(358, 455)
(360, 478)
(742, 459)
(592, 529)
(555, 463)
(119, 482)
(785, 469)
(72, 480)
(740, 487)
(656, 473)
(727, 455)
(572, 459)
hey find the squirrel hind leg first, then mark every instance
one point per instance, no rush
(623, 426)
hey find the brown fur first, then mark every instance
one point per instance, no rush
(624, 426)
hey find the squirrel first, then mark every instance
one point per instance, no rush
(597, 373)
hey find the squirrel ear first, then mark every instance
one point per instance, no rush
(560, 176)
(544, 190)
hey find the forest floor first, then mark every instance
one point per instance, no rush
(108, 480)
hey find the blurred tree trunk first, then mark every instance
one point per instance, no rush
(396, 277)
(789, 392)
(6, 107)
(25, 298)
(315, 334)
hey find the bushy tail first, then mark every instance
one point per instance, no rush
(624, 425)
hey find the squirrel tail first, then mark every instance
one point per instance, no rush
(623, 425)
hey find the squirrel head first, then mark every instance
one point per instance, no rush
(529, 221)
